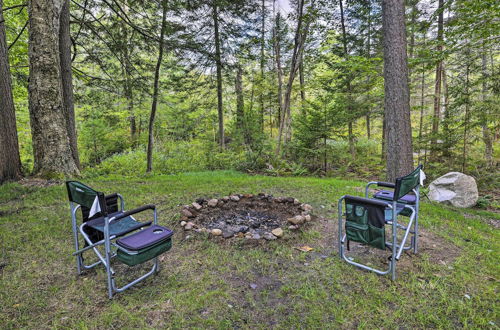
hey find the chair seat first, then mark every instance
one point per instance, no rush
(117, 228)
(389, 196)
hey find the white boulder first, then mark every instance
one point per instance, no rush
(454, 188)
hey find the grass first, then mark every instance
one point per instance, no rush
(205, 283)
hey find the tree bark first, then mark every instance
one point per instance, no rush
(262, 62)
(467, 113)
(10, 163)
(397, 93)
(422, 104)
(300, 36)
(156, 88)
(487, 136)
(352, 149)
(51, 143)
(437, 87)
(277, 57)
(240, 112)
(67, 80)
(218, 63)
(302, 85)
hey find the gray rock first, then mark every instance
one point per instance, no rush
(235, 198)
(296, 220)
(256, 236)
(189, 226)
(213, 202)
(454, 188)
(278, 232)
(197, 206)
(269, 236)
(187, 213)
(216, 232)
(306, 207)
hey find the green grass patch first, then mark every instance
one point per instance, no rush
(204, 283)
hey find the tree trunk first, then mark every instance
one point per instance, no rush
(447, 117)
(277, 57)
(240, 114)
(302, 85)
(262, 62)
(218, 63)
(156, 88)
(51, 143)
(10, 163)
(467, 114)
(487, 136)
(437, 87)
(352, 149)
(67, 80)
(422, 104)
(300, 36)
(368, 55)
(397, 93)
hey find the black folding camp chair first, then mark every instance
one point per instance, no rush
(109, 225)
(366, 218)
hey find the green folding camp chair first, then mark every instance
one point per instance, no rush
(104, 223)
(366, 218)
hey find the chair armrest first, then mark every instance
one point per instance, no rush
(370, 201)
(386, 184)
(134, 211)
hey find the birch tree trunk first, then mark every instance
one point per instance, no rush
(10, 163)
(397, 93)
(51, 143)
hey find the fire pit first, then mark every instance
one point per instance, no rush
(248, 216)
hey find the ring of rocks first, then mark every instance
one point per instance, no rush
(249, 216)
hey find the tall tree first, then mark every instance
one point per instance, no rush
(10, 163)
(156, 88)
(240, 106)
(348, 88)
(299, 41)
(397, 93)
(218, 63)
(262, 63)
(438, 82)
(51, 143)
(277, 61)
(67, 79)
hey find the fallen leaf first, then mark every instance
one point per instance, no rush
(304, 248)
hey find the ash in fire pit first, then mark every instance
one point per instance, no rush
(250, 216)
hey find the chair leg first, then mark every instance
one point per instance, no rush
(394, 241)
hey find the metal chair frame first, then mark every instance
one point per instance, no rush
(396, 247)
(109, 246)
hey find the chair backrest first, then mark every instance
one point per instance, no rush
(85, 196)
(407, 183)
